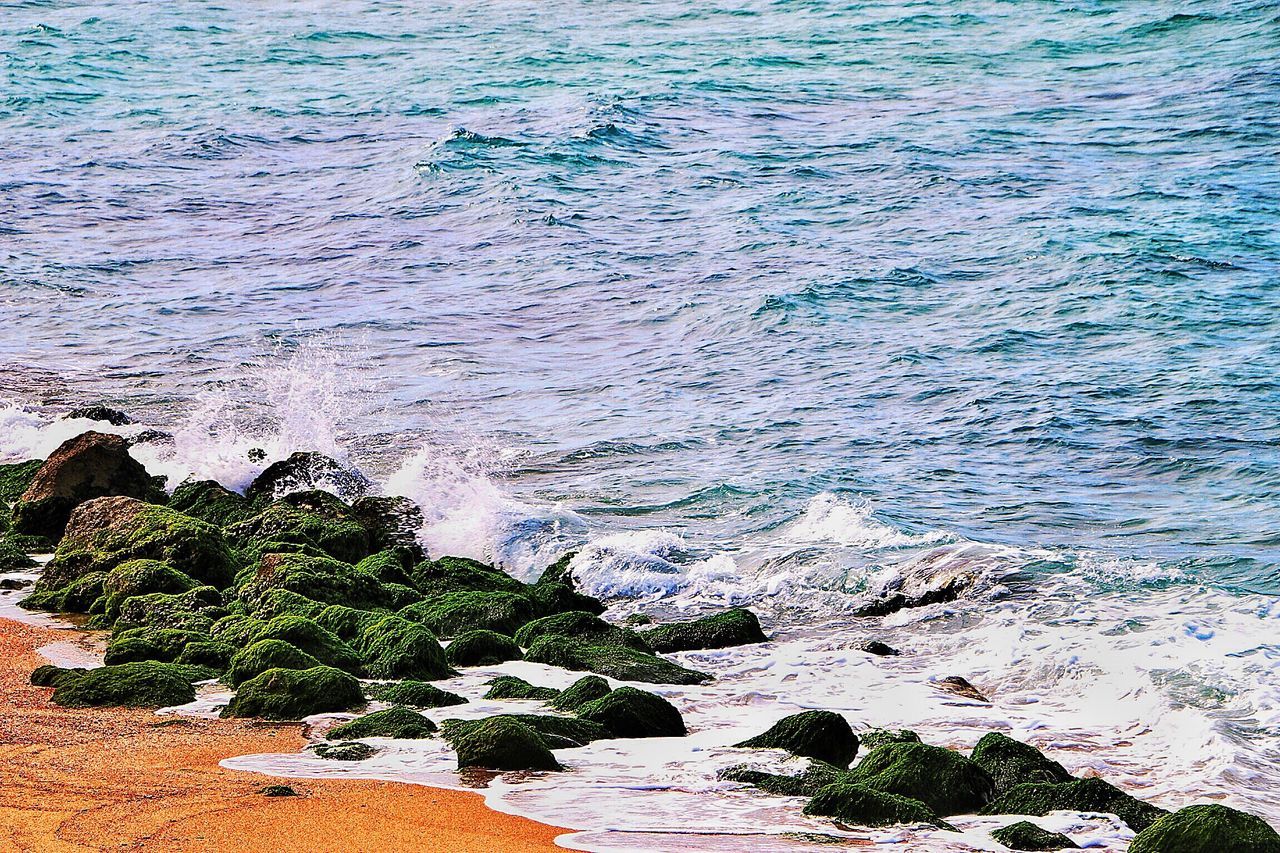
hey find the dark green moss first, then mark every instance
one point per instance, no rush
(613, 661)
(286, 602)
(350, 751)
(638, 619)
(481, 648)
(16, 477)
(823, 735)
(1010, 762)
(871, 738)
(311, 518)
(734, 627)
(586, 689)
(459, 574)
(139, 577)
(816, 776)
(321, 579)
(944, 780)
(396, 722)
(263, 655)
(859, 805)
(306, 635)
(1025, 835)
(501, 743)
(77, 596)
(130, 685)
(347, 622)
(195, 610)
(556, 732)
(628, 712)
(163, 645)
(387, 566)
(1080, 795)
(454, 612)
(236, 630)
(415, 694)
(1207, 829)
(49, 675)
(12, 557)
(511, 687)
(210, 653)
(550, 598)
(289, 694)
(394, 647)
(580, 625)
(211, 503)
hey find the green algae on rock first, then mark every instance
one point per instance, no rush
(944, 780)
(210, 502)
(863, 806)
(871, 738)
(824, 735)
(130, 685)
(1010, 762)
(454, 612)
(501, 743)
(511, 687)
(415, 694)
(288, 694)
(48, 675)
(584, 690)
(734, 627)
(814, 778)
(1079, 795)
(395, 722)
(1025, 835)
(312, 518)
(394, 647)
(349, 751)
(481, 648)
(628, 712)
(263, 655)
(1209, 828)
(614, 661)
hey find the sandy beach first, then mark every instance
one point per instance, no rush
(117, 779)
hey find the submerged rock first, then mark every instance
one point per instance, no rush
(481, 648)
(304, 471)
(286, 694)
(416, 694)
(1207, 829)
(350, 751)
(511, 687)
(631, 713)
(584, 690)
(129, 685)
(823, 735)
(106, 414)
(502, 743)
(961, 687)
(614, 661)
(871, 738)
(863, 806)
(1010, 762)
(1025, 835)
(556, 732)
(815, 777)
(1080, 795)
(395, 722)
(943, 780)
(734, 627)
(875, 647)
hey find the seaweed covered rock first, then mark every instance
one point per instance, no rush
(579, 625)
(263, 655)
(91, 465)
(556, 732)
(871, 738)
(415, 694)
(395, 722)
(734, 627)
(501, 743)
(943, 780)
(862, 806)
(48, 675)
(389, 566)
(194, 610)
(164, 645)
(454, 612)
(306, 471)
(347, 622)
(393, 523)
(481, 648)
(349, 751)
(321, 579)
(824, 735)
(129, 685)
(139, 577)
(614, 661)
(461, 574)
(1207, 829)
(207, 653)
(511, 687)
(286, 602)
(291, 694)
(629, 712)
(211, 503)
(394, 647)
(815, 777)
(306, 635)
(1010, 762)
(586, 689)
(78, 596)
(99, 412)
(1079, 795)
(16, 477)
(12, 557)
(1025, 835)
(310, 518)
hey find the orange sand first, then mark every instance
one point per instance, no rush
(116, 779)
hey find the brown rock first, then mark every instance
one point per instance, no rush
(961, 687)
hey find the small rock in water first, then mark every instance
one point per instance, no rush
(875, 647)
(1025, 835)
(150, 436)
(14, 583)
(279, 791)
(349, 751)
(115, 417)
(961, 687)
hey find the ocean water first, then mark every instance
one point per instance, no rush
(764, 302)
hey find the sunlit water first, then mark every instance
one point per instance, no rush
(765, 303)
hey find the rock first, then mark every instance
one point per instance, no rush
(389, 566)
(48, 675)
(392, 522)
(817, 776)
(823, 735)
(209, 653)
(459, 574)
(613, 661)
(91, 465)
(16, 477)
(1207, 829)
(556, 732)
(632, 713)
(150, 436)
(942, 576)
(395, 722)
(288, 694)
(321, 579)
(1010, 762)
(415, 694)
(1080, 795)
(550, 598)
(734, 627)
(454, 612)
(311, 518)
(586, 689)
(350, 751)
(139, 577)
(211, 503)
(638, 619)
(279, 791)
(285, 602)
(115, 417)
(305, 471)
(12, 584)
(960, 687)
(129, 685)
(511, 687)
(164, 645)
(394, 647)
(306, 635)
(580, 625)
(875, 647)
(347, 622)
(13, 558)
(263, 655)
(481, 648)
(501, 743)
(862, 806)
(871, 738)
(943, 780)
(1025, 835)
(195, 610)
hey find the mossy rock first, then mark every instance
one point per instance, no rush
(286, 602)
(455, 612)
(859, 805)
(16, 477)
(1025, 835)
(236, 630)
(481, 648)
(613, 661)
(350, 751)
(396, 722)
(307, 518)
(348, 622)
(78, 596)
(556, 732)
(388, 566)
(1080, 795)
(460, 574)
(511, 687)
(1207, 829)
(263, 655)
(871, 738)
(129, 685)
(139, 577)
(278, 791)
(415, 694)
(12, 557)
(815, 777)
(48, 675)
(551, 598)
(630, 713)
(393, 523)
(586, 689)
(209, 653)
(580, 625)
(824, 735)
(195, 610)
(211, 503)
(291, 694)
(1011, 762)
(321, 579)
(944, 780)
(501, 743)
(307, 470)
(306, 635)
(164, 645)
(394, 647)
(734, 627)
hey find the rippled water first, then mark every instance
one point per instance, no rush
(764, 302)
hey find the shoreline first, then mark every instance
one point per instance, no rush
(125, 779)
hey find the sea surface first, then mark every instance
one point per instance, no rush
(773, 303)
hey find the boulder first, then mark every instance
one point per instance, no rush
(631, 713)
(139, 577)
(556, 732)
(871, 738)
(291, 694)
(816, 776)
(459, 574)
(306, 635)
(481, 648)
(211, 503)
(859, 805)
(306, 471)
(12, 557)
(511, 687)
(350, 751)
(48, 675)
(415, 694)
(208, 653)
(501, 743)
(823, 735)
(321, 579)
(945, 781)
(586, 689)
(454, 612)
(395, 722)
(129, 685)
(394, 647)
(195, 610)
(1080, 795)
(960, 686)
(1025, 835)
(347, 622)
(875, 647)
(312, 518)
(389, 566)
(608, 659)
(580, 625)
(392, 522)
(1010, 762)
(263, 655)
(286, 602)
(106, 414)
(164, 645)
(91, 465)
(734, 627)
(1207, 829)
(16, 477)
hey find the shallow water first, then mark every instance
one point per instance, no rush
(767, 303)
